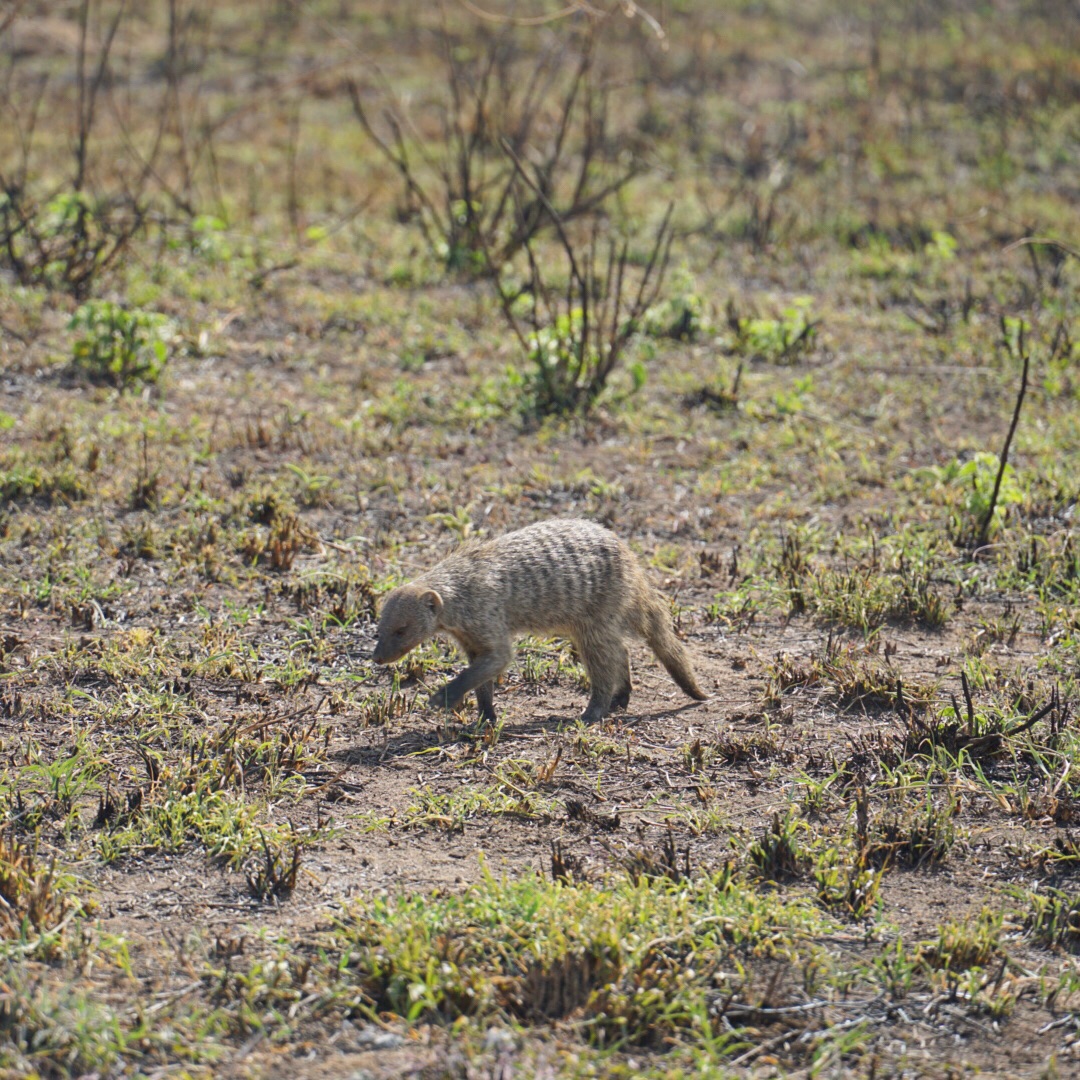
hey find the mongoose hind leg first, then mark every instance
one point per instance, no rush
(621, 698)
(607, 665)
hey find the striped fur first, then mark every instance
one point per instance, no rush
(566, 577)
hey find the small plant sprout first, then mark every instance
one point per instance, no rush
(971, 484)
(575, 338)
(779, 341)
(682, 314)
(120, 345)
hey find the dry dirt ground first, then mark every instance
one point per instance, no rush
(233, 846)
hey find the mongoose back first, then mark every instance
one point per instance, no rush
(566, 577)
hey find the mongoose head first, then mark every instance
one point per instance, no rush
(410, 615)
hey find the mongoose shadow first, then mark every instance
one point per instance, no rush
(566, 577)
(411, 742)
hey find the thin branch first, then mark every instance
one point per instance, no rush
(1041, 241)
(1021, 348)
(556, 218)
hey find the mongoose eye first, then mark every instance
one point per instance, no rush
(399, 633)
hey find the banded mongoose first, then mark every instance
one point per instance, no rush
(565, 577)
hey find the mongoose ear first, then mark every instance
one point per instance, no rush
(432, 599)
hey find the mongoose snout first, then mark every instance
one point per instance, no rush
(566, 577)
(410, 615)
(383, 655)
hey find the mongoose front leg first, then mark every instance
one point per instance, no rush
(485, 694)
(480, 676)
(599, 706)
(485, 701)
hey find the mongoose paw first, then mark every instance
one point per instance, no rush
(621, 699)
(446, 698)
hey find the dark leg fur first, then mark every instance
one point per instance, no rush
(599, 706)
(607, 666)
(479, 676)
(485, 696)
(485, 701)
(621, 697)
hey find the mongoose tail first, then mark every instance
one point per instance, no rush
(656, 629)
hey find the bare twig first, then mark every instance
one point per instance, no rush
(1041, 241)
(91, 233)
(590, 327)
(549, 109)
(88, 90)
(1021, 349)
(627, 8)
